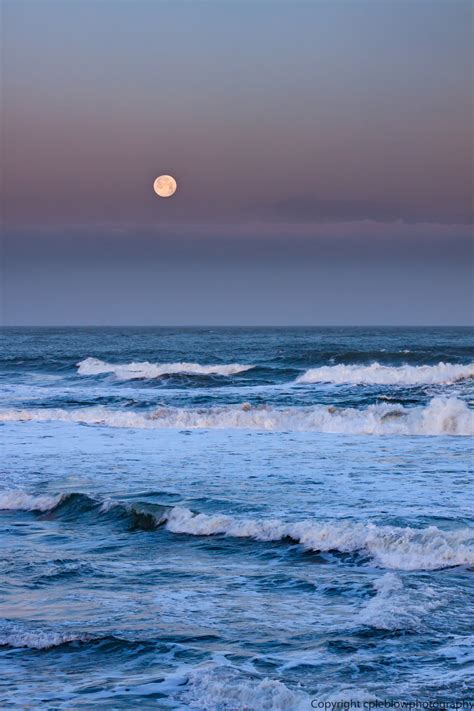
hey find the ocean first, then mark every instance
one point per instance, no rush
(236, 519)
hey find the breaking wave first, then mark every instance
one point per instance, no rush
(377, 374)
(392, 547)
(442, 416)
(146, 370)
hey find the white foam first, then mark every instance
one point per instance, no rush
(146, 370)
(391, 547)
(442, 416)
(216, 688)
(20, 501)
(377, 374)
(395, 608)
(461, 649)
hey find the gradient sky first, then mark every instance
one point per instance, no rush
(323, 153)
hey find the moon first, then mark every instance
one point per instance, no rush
(165, 186)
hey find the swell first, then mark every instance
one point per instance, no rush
(77, 506)
(146, 370)
(391, 547)
(378, 374)
(442, 416)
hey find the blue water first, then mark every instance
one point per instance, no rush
(225, 519)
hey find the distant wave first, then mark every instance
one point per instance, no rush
(145, 370)
(389, 546)
(20, 636)
(442, 416)
(377, 374)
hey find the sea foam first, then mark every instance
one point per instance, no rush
(442, 416)
(146, 370)
(393, 607)
(377, 374)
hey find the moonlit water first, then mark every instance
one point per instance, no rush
(225, 519)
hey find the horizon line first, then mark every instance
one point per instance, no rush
(242, 326)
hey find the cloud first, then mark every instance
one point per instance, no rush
(264, 244)
(312, 209)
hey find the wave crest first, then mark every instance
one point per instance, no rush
(390, 547)
(378, 374)
(442, 416)
(147, 371)
(20, 501)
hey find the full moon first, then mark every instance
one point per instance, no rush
(165, 186)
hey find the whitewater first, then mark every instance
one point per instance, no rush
(378, 374)
(216, 519)
(439, 417)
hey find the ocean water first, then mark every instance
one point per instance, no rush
(236, 519)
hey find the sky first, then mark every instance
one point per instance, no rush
(322, 150)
